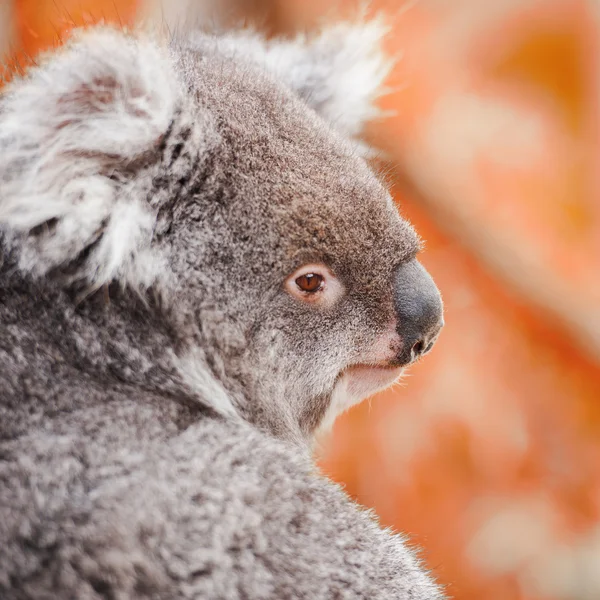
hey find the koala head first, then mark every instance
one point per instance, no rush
(222, 175)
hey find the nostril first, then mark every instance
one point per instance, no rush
(418, 348)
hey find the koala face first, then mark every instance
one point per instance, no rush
(222, 176)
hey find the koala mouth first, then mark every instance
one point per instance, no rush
(364, 379)
(357, 382)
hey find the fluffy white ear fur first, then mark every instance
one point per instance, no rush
(66, 132)
(339, 72)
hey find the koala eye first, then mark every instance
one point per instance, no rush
(314, 284)
(310, 283)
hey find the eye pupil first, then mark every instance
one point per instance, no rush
(311, 282)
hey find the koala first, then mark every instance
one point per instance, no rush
(200, 270)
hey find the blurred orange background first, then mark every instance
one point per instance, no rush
(488, 453)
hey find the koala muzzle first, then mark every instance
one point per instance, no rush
(419, 311)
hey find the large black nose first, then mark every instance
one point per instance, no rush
(419, 311)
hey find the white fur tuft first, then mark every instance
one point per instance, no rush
(348, 62)
(195, 373)
(67, 132)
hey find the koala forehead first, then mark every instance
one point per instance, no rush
(288, 188)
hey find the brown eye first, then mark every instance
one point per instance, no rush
(315, 284)
(310, 283)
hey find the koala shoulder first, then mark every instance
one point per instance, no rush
(259, 522)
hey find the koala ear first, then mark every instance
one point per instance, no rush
(338, 72)
(71, 134)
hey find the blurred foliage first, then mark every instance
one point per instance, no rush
(33, 26)
(488, 454)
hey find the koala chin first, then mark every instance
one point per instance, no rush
(199, 270)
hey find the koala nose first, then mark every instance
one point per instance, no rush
(419, 311)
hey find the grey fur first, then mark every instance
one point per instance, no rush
(159, 390)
